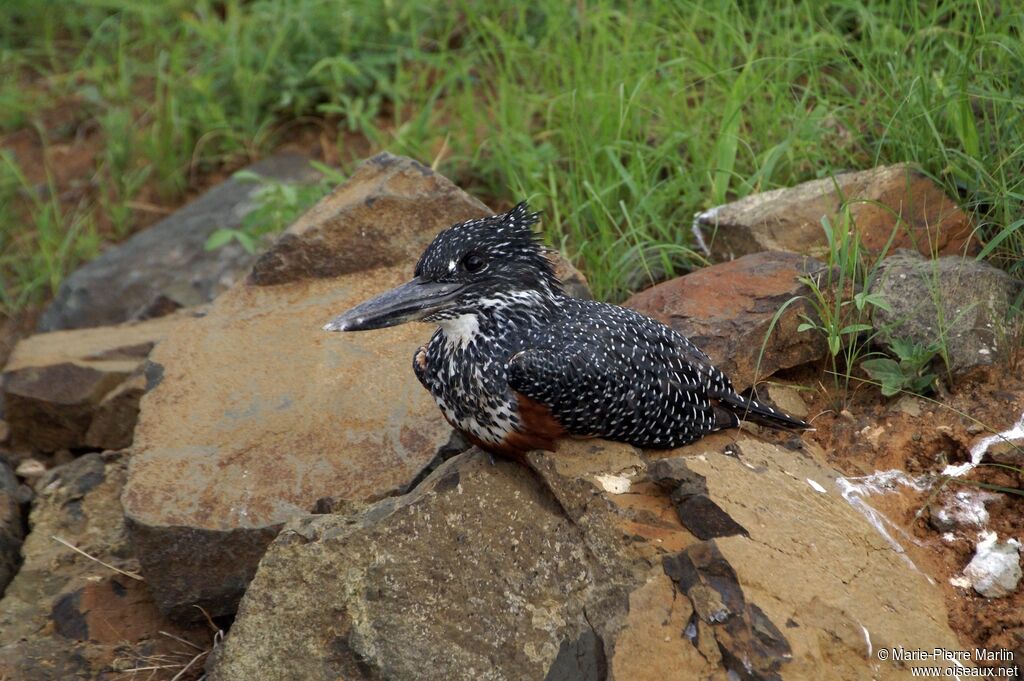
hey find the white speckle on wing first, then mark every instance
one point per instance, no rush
(816, 486)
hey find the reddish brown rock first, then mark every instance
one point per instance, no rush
(881, 201)
(727, 310)
(71, 389)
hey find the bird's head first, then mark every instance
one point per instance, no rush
(468, 267)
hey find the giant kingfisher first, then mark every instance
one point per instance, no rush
(516, 364)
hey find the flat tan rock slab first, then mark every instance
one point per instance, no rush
(80, 388)
(895, 201)
(817, 569)
(727, 310)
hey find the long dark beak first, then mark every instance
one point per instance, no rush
(409, 302)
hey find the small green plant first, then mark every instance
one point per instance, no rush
(840, 299)
(910, 373)
(278, 204)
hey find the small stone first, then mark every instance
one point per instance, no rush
(994, 570)
(911, 406)
(30, 469)
(872, 434)
(74, 389)
(1009, 452)
(788, 399)
(964, 508)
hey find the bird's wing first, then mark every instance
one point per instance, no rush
(614, 373)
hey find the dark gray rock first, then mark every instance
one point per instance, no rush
(166, 266)
(960, 302)
(11, 531)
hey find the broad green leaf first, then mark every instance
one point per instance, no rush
(887, 372)
(864, 299)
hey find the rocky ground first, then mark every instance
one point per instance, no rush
(197, 481)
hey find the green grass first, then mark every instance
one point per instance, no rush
(619, 120)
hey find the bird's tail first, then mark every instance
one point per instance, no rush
(747, 409)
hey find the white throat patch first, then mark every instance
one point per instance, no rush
(460, 330)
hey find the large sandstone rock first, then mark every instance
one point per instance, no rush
(66, 616)
(72, 389)
(727, 310)
(260, 416)
(382, 217)
(789, 219)
(961, 303)
(584, 570)
(167, 266)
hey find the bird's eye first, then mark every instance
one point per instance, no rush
(474, 262)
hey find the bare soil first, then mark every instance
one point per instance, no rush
(870, 433)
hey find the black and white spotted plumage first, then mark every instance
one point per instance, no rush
(511, 337)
